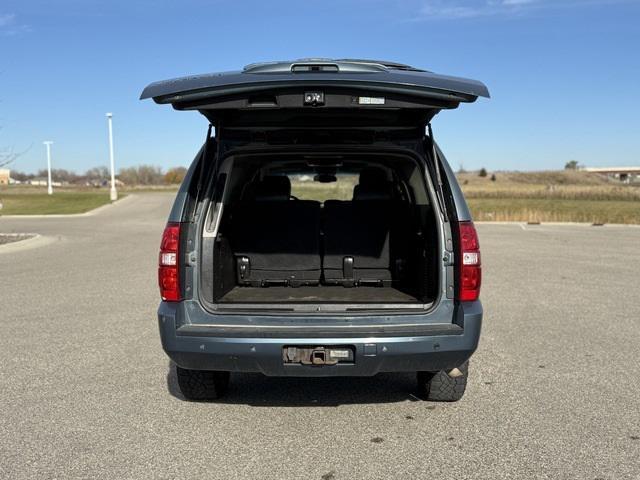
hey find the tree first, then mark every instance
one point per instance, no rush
(142, 175)
(21, 176)
(571, 165)
(175, 175)
(60, 175)
(7, 156)
(97, 173)
(493, 177)
(483, 172)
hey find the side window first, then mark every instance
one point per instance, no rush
(310, 187)
(416, 182)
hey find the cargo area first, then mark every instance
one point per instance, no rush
(352, 229)
(319, 293)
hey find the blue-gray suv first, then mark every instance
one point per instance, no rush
(319, 230)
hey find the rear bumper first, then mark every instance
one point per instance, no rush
(426, 348)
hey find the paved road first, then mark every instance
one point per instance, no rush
(86, 391)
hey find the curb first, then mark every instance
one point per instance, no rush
(559, 224)
(36, 241)
(90, 213)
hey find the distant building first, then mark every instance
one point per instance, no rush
(42, 182)
(624, 174)
(5, 177)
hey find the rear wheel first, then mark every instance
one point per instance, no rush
(202, 384)
(444, 386)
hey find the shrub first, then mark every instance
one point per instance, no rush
(175, 175)
(571, 165)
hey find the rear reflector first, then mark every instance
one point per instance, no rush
(470, 271)
(168, 263)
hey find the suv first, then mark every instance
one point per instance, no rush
(319, 230)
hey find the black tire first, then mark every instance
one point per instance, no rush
(441, 387)
(202, 384)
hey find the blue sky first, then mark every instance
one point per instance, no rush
(564, 74)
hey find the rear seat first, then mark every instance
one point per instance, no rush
(357, 234)
(276, 241)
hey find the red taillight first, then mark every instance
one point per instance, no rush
(168, 263)
(469, 258)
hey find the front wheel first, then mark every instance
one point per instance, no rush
(202, 384)
(444, 386)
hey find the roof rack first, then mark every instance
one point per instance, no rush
(389, 65)
(327, 65)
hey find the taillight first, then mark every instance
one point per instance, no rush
(168, 263)
(469, 258)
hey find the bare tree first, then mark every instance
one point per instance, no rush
(97, 173)
(9, 155)
(60, 175)
(141, 175)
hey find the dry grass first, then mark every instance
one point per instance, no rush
(562, 196)
(340, 190)
(545, 210)
(551, 197)
(523, 197)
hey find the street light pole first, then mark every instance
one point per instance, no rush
(49, 186)
(113, 192)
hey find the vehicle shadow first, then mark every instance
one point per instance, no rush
(258, 390)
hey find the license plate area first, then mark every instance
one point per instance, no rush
(318, 355)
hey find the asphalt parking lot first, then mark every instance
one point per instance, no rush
(86, 391)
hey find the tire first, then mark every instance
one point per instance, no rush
(441, 387)
(202, 384)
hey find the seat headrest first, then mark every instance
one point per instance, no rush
(372, 176)
(373, 184)
(273, 188)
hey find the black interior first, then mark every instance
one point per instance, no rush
(275, 240)
(317, 294)
(377, 247)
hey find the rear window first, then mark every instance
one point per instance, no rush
(309, 187)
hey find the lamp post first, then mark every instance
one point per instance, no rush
(113, 192)
(49, 186)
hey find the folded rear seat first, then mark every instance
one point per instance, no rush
(357, 234)
(275, 240)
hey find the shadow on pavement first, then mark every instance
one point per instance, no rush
(261, 391)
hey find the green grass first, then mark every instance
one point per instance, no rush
(39, 203)
(555, 210)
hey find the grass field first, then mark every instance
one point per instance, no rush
(554, 210)
(35, 201)
(562, 196)
(342, 189)
(557, 196)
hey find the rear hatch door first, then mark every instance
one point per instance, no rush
(318, 92)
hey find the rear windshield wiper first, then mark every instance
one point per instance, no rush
(436, 166)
